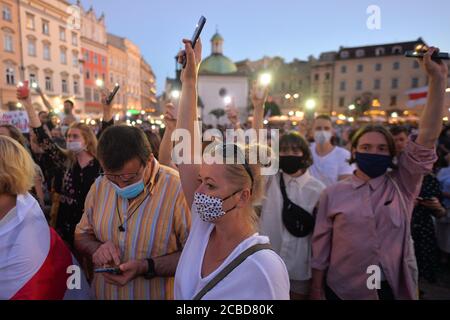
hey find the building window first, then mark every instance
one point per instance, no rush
(64, 86)
(360, 68)
(96, 96)
(33, 78)
(10, 76)
(6, 13)
(48, 83)
(95, 59)
(103, 77)
(360, 53)
(344, 69)
(377, 84)
(379, 51)
(396, 65)
(341, 102)
(378, 67)
(96, 76)
(47, 53)
(63, 56)
(394, 83)
(76, 87)
(88, 75)
(416, 65)
(8, 42)
(45, 27)
(345, 54)
(62, 34)
(415, 83)
(32, 47)
(74, 39)
(359, 85)
(397, 50)
(75, 59)
(393, 101)
(86, 56)
(343, 85)
(30, 22)
(316, 77)
(88, 94)
(104, 61)
(327, 76)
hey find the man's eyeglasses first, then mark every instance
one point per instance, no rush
(122, 177)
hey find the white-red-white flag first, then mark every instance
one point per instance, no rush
(417, 97)
(35, 263)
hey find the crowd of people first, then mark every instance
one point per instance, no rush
(140, 225)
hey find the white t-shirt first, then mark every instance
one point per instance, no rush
(327, 169)
(305, 192)
(262, 276)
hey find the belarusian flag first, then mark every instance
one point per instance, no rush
(417, 96)
(35, 263)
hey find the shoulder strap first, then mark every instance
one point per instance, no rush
(283, 189)
(230, 267)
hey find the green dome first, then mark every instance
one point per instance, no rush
(217, 63)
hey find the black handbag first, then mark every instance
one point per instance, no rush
(298, 221)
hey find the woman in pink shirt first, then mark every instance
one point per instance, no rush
(362, 247)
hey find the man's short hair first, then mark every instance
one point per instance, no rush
(324, 117)
(396, 130)
(69, 102)
(120, 144)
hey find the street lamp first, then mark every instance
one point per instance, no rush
(310, 104)
(227, 100)
(175, 94)
(351, 107)
(265, 79)
(99, 83)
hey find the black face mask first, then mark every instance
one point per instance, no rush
(292, 164)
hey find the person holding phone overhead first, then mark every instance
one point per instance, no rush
(77, 165)
(364, 223)
(224, 257)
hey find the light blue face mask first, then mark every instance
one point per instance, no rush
(131, 191)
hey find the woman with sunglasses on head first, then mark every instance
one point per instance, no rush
(224, 257)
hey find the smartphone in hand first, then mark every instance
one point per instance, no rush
(23, 90)
(420, 55)
(112, 270)
(111, 96)
(198, 30)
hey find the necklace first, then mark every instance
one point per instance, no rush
(122, 224)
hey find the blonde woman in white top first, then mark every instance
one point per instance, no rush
(223, 219)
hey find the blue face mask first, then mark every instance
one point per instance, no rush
(374, 165)
(131, 191)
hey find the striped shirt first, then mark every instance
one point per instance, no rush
(158, 227)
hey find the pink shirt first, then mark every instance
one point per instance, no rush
(362, 224)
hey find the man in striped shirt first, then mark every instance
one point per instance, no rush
(136, 219)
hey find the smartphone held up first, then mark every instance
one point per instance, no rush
(23, 89)
(198, 30)
(421, 50)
